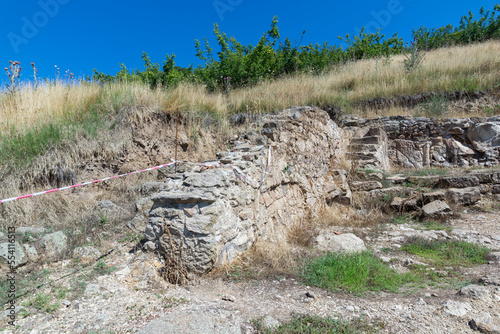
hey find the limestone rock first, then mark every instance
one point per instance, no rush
(12, 255)
(269, 323)
(487, 135)
(86, 254)
(204, 218)
(434, 196)
(108, 206)
(475, 291)
(484, 324)
(491, 279)
(436, 209)
(454, 308)
(31, 252)
(92, 289)
(365, 185)
(54, 244)
(459, 181)
(346, 242)
(494, 256)
(404, 204)
(463, 196)
(167, 197)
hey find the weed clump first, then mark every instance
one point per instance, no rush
(444, 252)
(355, 272)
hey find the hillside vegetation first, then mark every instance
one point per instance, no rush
(36, 117)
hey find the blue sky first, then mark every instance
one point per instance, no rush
(81, 35)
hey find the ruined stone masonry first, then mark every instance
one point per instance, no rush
(292, 162)
(207, 217)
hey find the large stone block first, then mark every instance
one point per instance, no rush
(436, 209)
(463, 196)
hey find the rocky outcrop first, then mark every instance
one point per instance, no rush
(423, 142)
(262, 187)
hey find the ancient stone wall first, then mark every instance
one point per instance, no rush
(288, 165)
(423, 142)
(265, 185)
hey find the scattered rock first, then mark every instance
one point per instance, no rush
(365, 185)
(475, 291)
(404, 204)
(92, 289)
(54, 244)
(454, 308)
(463, 196)
(86, 254)
(436, 209)
(310, 294)
(434, 196)
(346, 242)
(270, 323)
(8, 249)
(228, 298)
(459, 181)
(484, 324)
(409, 262)
(491, 279)
(108, 207)
(31, 252)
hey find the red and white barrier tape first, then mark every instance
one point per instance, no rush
(238, 173)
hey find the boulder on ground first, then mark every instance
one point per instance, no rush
(454, 308)
(483, 323)
(436, 209)
(54, 244)
(12, 252)
(86, 254)
(346, 242)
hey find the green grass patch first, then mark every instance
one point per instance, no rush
(424, 172)
(43, 302)
(309, 324)
(444, 252)
(436, 226)
(23, 284)
(20, 148)
(356, 272)
(23, 148)
(402, 219)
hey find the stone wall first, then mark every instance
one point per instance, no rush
(423, 142)
(288, 165)
(267, 182)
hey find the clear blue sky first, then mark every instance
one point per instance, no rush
(81, 35)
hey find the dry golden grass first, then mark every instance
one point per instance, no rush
(265, 259)
(468, 67)
(460, 68)
(31, 107)
(365, 212)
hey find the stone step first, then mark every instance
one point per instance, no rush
(355, 148)
(366, 140)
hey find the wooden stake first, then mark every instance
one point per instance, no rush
(176, 132)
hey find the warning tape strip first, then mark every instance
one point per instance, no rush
(238, 173)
